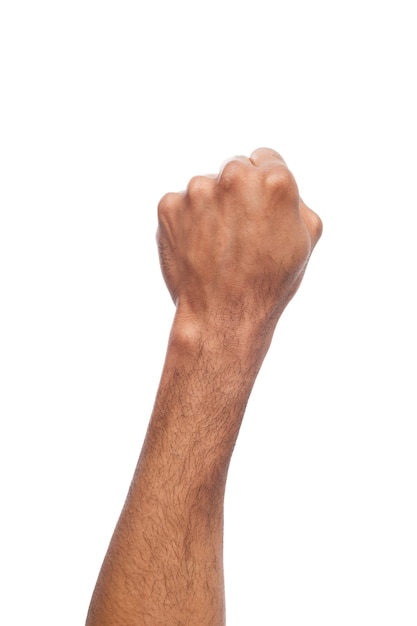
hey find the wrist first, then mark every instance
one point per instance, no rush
(231, 337)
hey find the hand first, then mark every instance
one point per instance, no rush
(234, 247)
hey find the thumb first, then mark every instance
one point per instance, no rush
(312, 221)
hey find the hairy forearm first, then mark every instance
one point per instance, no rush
(233, 251)
(207, 378)
(169, 535)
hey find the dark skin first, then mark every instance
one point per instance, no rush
(233, 250)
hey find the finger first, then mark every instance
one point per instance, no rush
(312, 221)
(238, 160)
(234, 172)
(266, 156)
(168, 204)
(200, 188)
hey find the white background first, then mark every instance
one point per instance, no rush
(105, 106)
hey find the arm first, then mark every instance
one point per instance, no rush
(233, 251)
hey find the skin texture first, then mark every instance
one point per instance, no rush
(233, 251)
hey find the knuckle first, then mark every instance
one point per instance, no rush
(167, 204)
(279, 180)
(198, 187)
(233, 173)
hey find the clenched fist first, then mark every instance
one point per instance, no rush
(234, 247)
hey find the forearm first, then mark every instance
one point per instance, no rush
(233, 251)
(205, 385)
(169, 536)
